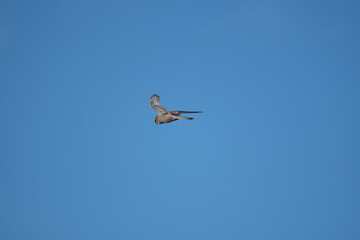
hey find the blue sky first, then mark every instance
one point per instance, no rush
(275, 155)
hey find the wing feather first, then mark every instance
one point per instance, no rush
(180, 112)
(155, 104)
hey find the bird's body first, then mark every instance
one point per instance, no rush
(165, 116)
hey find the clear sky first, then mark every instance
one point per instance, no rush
(276, 155)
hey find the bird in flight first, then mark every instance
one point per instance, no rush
(165, 116)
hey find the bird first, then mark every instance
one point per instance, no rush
(165, 116)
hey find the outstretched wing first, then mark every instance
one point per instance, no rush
(155, 104)
(180, 112)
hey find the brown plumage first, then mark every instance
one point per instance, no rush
(165, 116)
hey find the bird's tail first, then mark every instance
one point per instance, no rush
(182, 117)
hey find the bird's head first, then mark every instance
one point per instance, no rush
(156, 120)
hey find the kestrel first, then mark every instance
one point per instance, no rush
(165, 116)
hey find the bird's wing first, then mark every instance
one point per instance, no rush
(180, 112)
(155, 104)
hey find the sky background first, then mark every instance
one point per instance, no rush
(276, 155)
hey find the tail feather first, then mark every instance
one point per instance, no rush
(182, 117)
